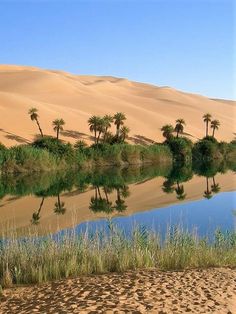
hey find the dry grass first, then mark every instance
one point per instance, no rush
(35, 260)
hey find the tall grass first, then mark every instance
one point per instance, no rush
(56, 156)
(37, 260)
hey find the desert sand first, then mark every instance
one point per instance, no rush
(16, 212)
(143, 291)
(75, 98)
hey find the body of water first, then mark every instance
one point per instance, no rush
(200, 198)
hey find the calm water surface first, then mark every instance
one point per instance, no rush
(200, 197)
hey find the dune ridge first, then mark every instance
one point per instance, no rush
(76, 97)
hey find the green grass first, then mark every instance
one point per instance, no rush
(36, 260)
(50, 155)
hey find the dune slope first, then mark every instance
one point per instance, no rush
(75, 98)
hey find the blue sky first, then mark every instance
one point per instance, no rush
(186, 44)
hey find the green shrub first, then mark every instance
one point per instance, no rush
(156, 153)
(55, 146)
(181, 147)
(207, 148)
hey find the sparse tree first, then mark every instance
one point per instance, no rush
(93, 123)
(124, 132)
(119, 119)
(107, 124)
(100, 128)
(58, 126)
(33, 112)
(167, 131)
(215, 124)
(207, 119)
(179, 127)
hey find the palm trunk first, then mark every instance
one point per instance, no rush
(177, 135)
(99, 134)
(95, 134)
(207, 128)
(118, 130)
(57, 133)
(105, 135)
(40, 130)
(213, 133)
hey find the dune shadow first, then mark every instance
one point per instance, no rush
(14, 137)
(77, 135)
(141, 140)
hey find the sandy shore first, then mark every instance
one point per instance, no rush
(143, 291)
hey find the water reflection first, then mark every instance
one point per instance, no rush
(102, 203)
(36, 215)
(110, 188)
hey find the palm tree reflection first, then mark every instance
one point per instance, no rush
(215, 187)
(36, 215)
(102, 203)
(207, 193)
(59, 208)
(179, 190)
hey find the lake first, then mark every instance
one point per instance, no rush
(198, 197)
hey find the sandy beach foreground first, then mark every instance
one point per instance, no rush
(142, 291)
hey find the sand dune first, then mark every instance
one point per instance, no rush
(75, 98)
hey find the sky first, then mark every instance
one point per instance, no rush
(186, 44)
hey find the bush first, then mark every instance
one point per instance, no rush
(156, 153)
(80, 145)
(207, 148)
(181, 147)
(56, 147)
(26, 158)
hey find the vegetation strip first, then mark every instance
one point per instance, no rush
(35, 260)
(48, 153)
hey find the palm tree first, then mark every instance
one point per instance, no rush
(167, 131)
(36, 215)
(100, 128)
(179, 128)
(93, 123)
(119, 118)
(207, 119)
(59, 206)
(107, 124)
(124, 132)
(58, 126)
(33, 112)
(215, 124)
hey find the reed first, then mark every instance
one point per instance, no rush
(35, 259)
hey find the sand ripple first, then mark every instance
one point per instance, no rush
(143, 291)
